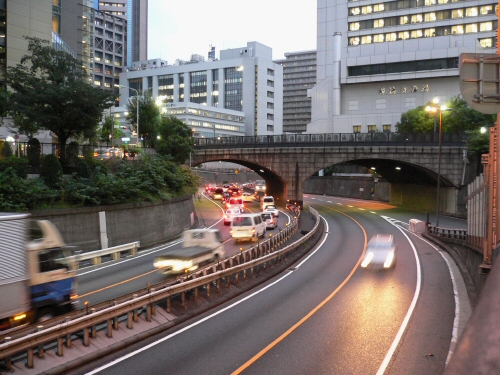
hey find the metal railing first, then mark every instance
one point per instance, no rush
(332, 139)
(115, 252)
(228, 269)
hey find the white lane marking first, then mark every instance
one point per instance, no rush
(361, 209)
(409, 313)
(350, 206)
(148, 252)
(373, 212)
(456, 322)
(118, 360)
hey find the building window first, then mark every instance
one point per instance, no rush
(270, 128)
(270, 83)
(233, 87)
(386, 128)
(486, 43)
(198, 87)
(270, 105)
(166, 87)
(270, 72)
(270, 116)
(372, 128)
(356, 129)
(181, 87)
(486, 26)
(270, 94)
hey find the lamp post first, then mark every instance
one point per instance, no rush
(436, 110)
(137, 107)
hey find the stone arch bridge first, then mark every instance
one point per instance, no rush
(409, 162)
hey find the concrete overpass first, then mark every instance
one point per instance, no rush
(409, 161)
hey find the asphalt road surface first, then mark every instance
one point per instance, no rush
(324, 315)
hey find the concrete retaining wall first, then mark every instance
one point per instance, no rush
(346, 186)
(146, 222)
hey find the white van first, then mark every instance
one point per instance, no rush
(265, 201)
(247, 227)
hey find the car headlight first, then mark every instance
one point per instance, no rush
(367, 260)
(388, 261)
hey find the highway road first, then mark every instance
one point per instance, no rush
(117, 278)
(324, 315)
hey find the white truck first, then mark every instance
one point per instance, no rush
(37, 280)
(199, 247)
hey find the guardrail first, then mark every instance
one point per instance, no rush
(363, 139)
(447, 233)
(228, 270)
(115, 252)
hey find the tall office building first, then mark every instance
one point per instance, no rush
(244, 81)
(135, 12)
(378, 59)
(299, 75)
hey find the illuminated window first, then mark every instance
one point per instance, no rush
(354, 26)
(458, 29)
(372, 128)
(367, 39)
(378, 38)
(354, 41)
(429, 17)
(378, 23)
(457, 13)
(367, 9)
(354, 11)
(391, 37)
(378, 8)
(430, 2)
(417, 34)
(429, 32)
(386, 128)
(402, 35)
(487, 9)
(356, 129)
(415, 18)
(471, 12)
(486, 43)
(403, 20)
(486, 26)
(472, 28)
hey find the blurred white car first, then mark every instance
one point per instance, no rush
(270, 220)
(272, 210)
(380, 252)
(230, 214)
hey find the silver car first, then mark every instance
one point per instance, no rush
(380, 252)
(269, 219)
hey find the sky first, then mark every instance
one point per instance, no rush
(178, 29)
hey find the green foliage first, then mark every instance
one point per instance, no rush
(83, 169)
(4, 98)
(51, 172)
(478, 143)
(110, 131)
(149, 118)
(457, 117)
(49, 91)
(6, 150)
(34, 152)
(72, 153)
(18, 194)
(416, 120)
(175, 139)
(18, 165)
(87, 150)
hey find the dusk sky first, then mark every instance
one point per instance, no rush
(178, 29)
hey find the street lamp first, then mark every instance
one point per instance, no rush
(436, 110)
(137, 107)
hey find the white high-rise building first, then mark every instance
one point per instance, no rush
(244, 82)
(378, 59)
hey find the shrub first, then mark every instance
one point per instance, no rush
(6, 150)
(34, 151)
(83, 169)
(51, 171)
(87, 150)
(19, 166)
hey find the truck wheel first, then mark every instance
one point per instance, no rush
(44, 314)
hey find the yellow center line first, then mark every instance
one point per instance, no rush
(312, 312)
(112, 286)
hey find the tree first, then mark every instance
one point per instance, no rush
(109, 130)
(149, 118)
(50, 92)
(175, 139)
(416, 120)
(457, 117)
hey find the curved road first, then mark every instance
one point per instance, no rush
(325, 315)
